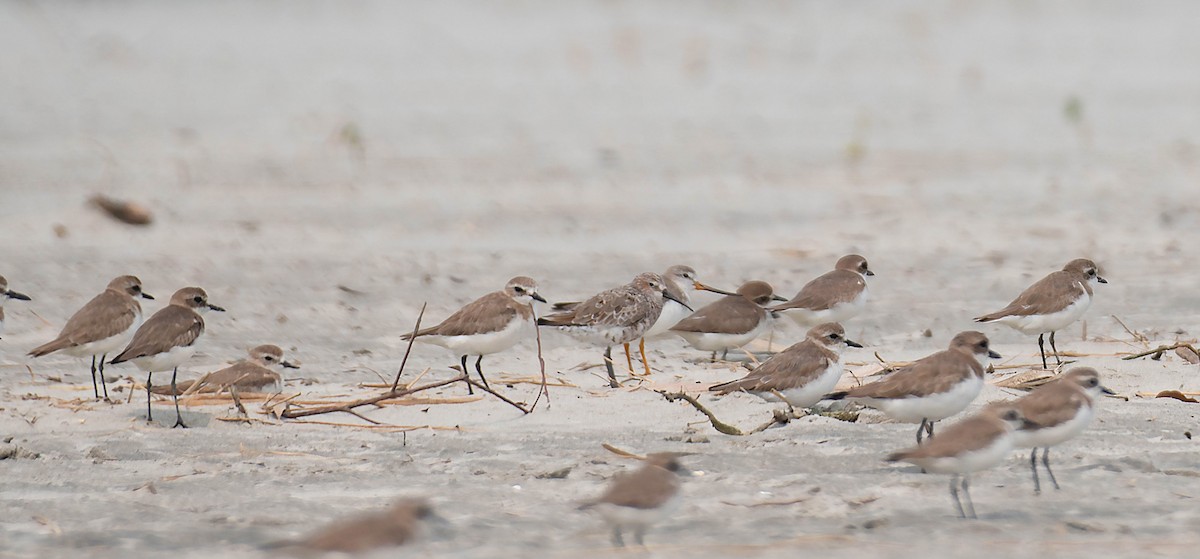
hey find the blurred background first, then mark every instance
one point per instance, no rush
(389, 145)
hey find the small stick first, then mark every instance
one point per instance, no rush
(237, 401)
(1137, 337)
(717, 424)
(346, 407)
(1157, 352)
(496, 394)
(416, 328)
(541, 365)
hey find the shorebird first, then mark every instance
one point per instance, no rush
(1061, 410)
(167, 339)
(487, 325)
(399, 524)
(731, 322)
(1051, 304)
(6, 293)
(835, 296)
(260, 370)
(637, 500)
(104, 324)
(616, 316)
(971, 445)
(931, 388)
(801, 374)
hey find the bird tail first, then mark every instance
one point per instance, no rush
(50, 347)
(897, 456)
(840, 395)
(421, 332)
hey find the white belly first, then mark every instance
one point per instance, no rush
(972, 461)
(1041, 323)
(603, 336)
(1050, 436)
(634, 518)
(166, 361)
(808, 395)
(837, 313)
(108, 345)
(709, 341)
(485, 344)
(671, 314)
(934, 407)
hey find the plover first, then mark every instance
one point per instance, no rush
(487, 325)
(1061, 410)
(1051, 304)
(836, 296)
(260, 371)
(971, 445)
(167, 339)
(931, 388)
(616, 316)
(802, 374)
(637, 500)
(731, 322)
(6, 293)
(104, 324)
(399, 524)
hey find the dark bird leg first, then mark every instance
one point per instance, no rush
(175, 395)
(479, 370)
(149, 416)
(103, 384)
(95, 387)
(470, 391)
(921, 431)
(954, 494)
(713, 359)
(1055, 349)
(967, 493)
(929, 429)
(640, 535)
(617, 539)
(1042, 348)
(1046, 463)
(1037, 485)
(608, 364)
(724, 355)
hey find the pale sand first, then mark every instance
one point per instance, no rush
(580, 146)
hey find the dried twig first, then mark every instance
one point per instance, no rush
(411, 340)
(1157, 352)
(537, 332)
(1136, 336)
(346, 407)
(717, 424)
(485, 388)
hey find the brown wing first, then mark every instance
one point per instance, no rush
(489, 313)
(929, 375)
(646, 488)
(622, 306)
(792, 368)
(243, 374)
(732, 314)
(1052, 404)
(105, 316)
(362, 533)
(173, 326)
(973, 433)
(1050, 294)
(828, 290)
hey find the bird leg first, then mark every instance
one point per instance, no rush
(1055, 349)
(1042, 348)
(479, 370)
(617, 540)
(645, 362)
(628, 359)
(175, 396)
(921, 431)
(1046, 463)
(608, 364)
(639, 535)
(470, 391)
(724, 355)
(1037, 485)
(102, 383)
(95, 388)
(954, 494)
(149, 416)
(929, 428)
(967, 493)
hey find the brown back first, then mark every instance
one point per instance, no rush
(732, 314)
(648, 487)
(173, 326)
(929, 375)
(1050, 294)
(793, 367)
(489, 313)
(1052, 404)
(621, 306)
(395, 526)
(827, 291)
(973, 433)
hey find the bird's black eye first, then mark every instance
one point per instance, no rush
(268, 358)
(518, 290)
(983, 345)
(834, 336)
(198, 299)
(1093, 382)
(137, 288)
(1011, 415)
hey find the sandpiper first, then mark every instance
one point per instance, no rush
(639, 499)
(167, 339)
(104, 324)
(731, 322)
(616, 316)
(6, 293)
(801, 374)
(399, 524)
(1051, 304)
(932, 388)
(835, 296)
(1061, 409)
(487, 325)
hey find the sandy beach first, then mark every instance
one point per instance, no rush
(325, 170)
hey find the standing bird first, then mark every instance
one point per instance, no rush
(261, 370)
(616, 316)
(6, 293)
(731, 322)
(167, 339)
(399, 524)
(931, 388)
(971, 445)
(1061, 409)
(639, 499)
(801, 374)
(1051, 304)
(487, 325)
(835, 296)
(104, 324)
